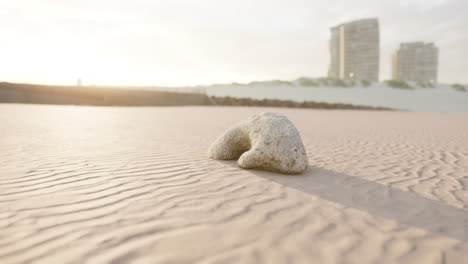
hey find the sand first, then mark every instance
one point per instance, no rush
(135, 185)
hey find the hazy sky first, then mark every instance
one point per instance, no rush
(177, 42)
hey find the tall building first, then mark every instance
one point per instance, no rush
(354, 50)
(416, 61)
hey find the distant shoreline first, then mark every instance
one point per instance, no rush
(96, 96)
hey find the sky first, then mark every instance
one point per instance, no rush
(191, 42)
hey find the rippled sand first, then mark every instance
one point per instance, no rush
(134, 185)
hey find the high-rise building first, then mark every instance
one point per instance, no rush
(416, 61)
(354, 50)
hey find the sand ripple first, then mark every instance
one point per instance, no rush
(134, 185)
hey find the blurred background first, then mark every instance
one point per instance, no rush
(408, 55)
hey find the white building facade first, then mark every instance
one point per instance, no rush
(416, 62)
(355, 50)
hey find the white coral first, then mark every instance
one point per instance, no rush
(267, 141)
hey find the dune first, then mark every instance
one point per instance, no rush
(21, 93)
(83, 184)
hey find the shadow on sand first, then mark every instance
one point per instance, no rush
(377, 199)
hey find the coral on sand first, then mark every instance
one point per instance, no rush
(267, 141)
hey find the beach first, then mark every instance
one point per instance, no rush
(87, 184)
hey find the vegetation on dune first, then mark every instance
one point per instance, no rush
(307, 82)
(272, 82)
(280, 82)
(365, 83)
(314, 82)
(338, 82)
(398, 84)
(254, 83)
(341, 83)
(323, 81)
(458, 87)
(425, 85)
(327, 81)
(331, 82)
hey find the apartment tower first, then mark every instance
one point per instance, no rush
(416, 62)
(354, 50)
